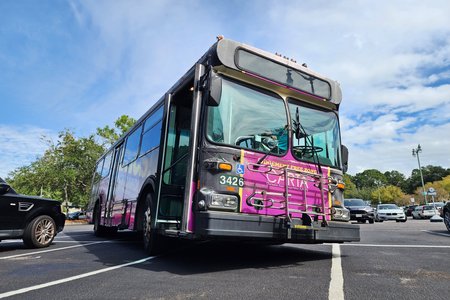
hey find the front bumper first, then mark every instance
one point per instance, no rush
(391, 217)
(256, 227)
(361, 216)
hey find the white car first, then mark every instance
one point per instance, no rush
(428, 211)
(416, 213)
(390, 212)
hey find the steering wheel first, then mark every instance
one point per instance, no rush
(307, 150)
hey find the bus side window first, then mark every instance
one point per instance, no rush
(177, 145)
(151, 134)
(106, 165)
(132, 146)
(98, 170)
(150, 139)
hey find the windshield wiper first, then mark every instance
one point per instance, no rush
(308, 139)
(273, 147)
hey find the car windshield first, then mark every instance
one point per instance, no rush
(354, 202)
(387, 206)
(248, 118)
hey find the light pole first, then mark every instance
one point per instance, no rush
(415, 152)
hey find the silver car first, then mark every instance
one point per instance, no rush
(387, 212)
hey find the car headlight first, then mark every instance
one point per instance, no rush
(223, 202)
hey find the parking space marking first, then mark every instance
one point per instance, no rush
(52, 250)
(436, 233)
(336, 290)
(72, 278)
(395, 246)
(71, 236)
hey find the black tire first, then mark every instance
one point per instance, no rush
(447, 219)
(406, 219)
(100, 230)
(153, 243)
(40, 232)
(378, 219)
(371, 221)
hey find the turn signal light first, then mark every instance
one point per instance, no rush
(341, 186)
(225, 167)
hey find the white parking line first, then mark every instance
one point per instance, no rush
(437, 233)
(52, 250)
(71, 236)
(72, 278)
(336, 290)
(394, 246)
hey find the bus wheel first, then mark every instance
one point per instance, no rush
(100, 230)
(152, 242)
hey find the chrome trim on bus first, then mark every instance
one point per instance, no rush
(168, 100)
(168, 221)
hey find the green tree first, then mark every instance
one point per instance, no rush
(430, 174)
(64, 172)
(388, 194)
(65, 169)
(350, 188)
(111, 134)
(395, 178)
(369, 179)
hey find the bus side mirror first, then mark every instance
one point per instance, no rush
(215, 89)
(344, 152)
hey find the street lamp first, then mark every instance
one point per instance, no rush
(414, 153)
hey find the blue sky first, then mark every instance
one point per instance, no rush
(81, 64)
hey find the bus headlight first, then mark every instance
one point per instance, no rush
(340, 214)
(223, 202)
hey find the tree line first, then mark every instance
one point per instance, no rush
(394, 187)
(64, 172)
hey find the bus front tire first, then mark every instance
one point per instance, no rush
(153, 243)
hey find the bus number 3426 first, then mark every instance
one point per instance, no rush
(231, 180)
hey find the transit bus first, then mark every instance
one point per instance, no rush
(245, 146)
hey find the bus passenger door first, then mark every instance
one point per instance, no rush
(114, 186)
(175, 162)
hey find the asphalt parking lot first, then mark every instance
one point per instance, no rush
(393, 261)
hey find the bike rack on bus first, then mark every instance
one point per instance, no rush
(263, 199)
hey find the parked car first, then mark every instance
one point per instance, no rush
(76, 215)
(416, 213)
(387, 212)
(428, 211)
(409, 209)
(359, 210)
(445, 214)
(34, 219)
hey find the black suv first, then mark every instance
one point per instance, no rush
(33, 219)
(360, 210)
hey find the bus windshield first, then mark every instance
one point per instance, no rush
(318, 134)
(249, 119)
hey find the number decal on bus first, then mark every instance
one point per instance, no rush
(231, 180)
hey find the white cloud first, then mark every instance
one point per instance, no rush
(20, 146)
(391, 60)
